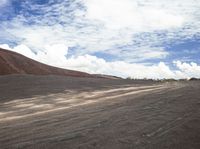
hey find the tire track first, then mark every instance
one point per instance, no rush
(27, 108)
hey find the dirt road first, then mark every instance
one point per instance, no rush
(118, 116)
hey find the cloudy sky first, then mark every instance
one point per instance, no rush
(136, 38)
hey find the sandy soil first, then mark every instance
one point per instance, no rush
(76, 113)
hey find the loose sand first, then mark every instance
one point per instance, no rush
(49, 112)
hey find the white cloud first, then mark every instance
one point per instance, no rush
(188, 69)
(5, 46)
(108, 24)
(119, 14)
(52, 55)
(95, 65)
(129, 30)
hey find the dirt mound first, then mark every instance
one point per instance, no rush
(14, 63)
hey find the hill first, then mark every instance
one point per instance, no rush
(14, 63)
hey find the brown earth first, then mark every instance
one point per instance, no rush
(51, 112)
(14, 63)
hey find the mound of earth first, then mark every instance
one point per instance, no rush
(14, 63)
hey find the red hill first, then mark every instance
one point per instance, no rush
(14, 63)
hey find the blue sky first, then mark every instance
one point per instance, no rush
(137, 38)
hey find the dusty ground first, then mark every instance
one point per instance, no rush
(68, 113)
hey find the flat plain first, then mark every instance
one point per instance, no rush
(52, 112)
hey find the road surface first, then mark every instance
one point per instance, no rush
(126, 116)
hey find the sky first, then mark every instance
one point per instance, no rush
(128, 38)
